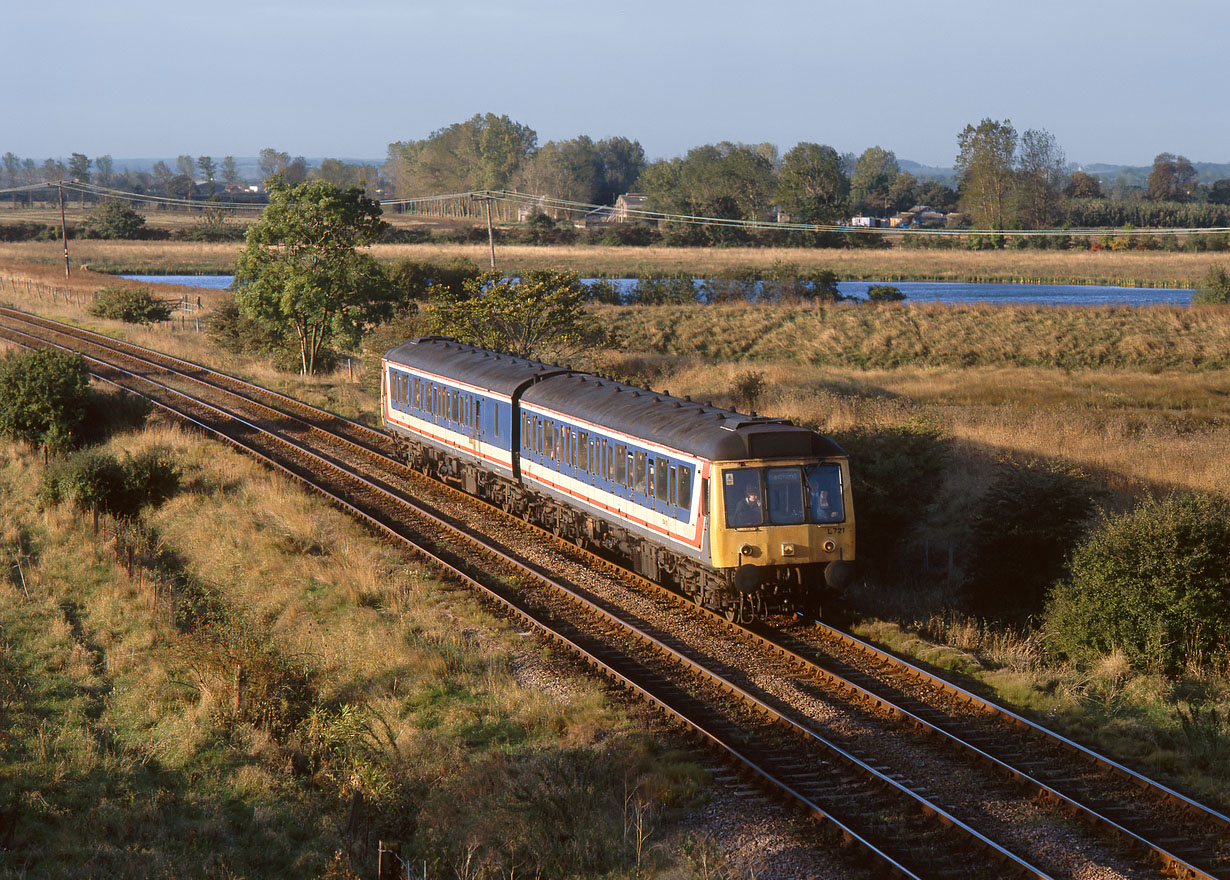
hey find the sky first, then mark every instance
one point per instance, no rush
(1115, 82)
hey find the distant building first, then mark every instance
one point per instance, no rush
(627, 206)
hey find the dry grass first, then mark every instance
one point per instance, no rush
(1127, 268)
(126, 753)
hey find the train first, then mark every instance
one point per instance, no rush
(743, 514)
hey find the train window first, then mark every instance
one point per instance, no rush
(685, 488)
(621, 464)
(785, 491)
(628, 473)
(744, 497)
(477, 414)
(610, 461)
(538, 436)
(824, 493)
(640, 471)
(556, 448)
(403, 389)
(673, 485)
(662, 484)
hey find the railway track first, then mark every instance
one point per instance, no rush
(878, 808)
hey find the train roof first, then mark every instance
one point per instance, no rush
(703, 431)
(444, 356)
(699, 430)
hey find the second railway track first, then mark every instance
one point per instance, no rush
(825, 720)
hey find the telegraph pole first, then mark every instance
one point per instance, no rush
(63, 226)
(486, 198)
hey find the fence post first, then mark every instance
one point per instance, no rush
(390, 861)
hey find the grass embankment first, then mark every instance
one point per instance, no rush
(1139, 399)
(1123, 268)
(263, 689)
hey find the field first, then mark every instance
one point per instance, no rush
(1124, 268)
(1137, 399)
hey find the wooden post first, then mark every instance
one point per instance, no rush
(63, 227)
(390, 861)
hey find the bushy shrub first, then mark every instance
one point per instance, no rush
(1214, 289)
(115, 219)
(896, 472)
(1024, 529)
(95, 480)
(43, 397)
(625, 235)
(29, 231)
(236, 332)
(132, 305)
(1152, 583)
(884, 293)
(419, 280)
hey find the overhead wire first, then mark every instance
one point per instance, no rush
(577, 208)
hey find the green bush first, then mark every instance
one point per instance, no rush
(884, 293)
(235, 332)
(132, 305)
(895, 474)
(95, 480)
(1153, 583)
(1024, 530)
(1214, 289)
(115, 219)
(43, 397)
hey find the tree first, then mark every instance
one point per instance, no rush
(12, 164)
(985, 170)
(54, 170)
(206, 165)
(1172, 179)
(105, 168)
(484, 152)
(230, 175)
(1214, 289)
(115, 219)
(1219, 192)
(622, 163)
(162, 173)
(1083, 186)
(272, 162)
(79, 167)
(301, 267)
(1040, 172)
(43, 397)
(872, 179)
(812, 186)
(537, 315)
(570, 170)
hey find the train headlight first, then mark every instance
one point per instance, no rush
(829, 546)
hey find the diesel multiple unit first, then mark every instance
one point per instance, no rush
(741, 513)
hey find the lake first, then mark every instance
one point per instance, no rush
(915, 291)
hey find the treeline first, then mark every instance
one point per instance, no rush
(1005, 180)
(192, 177)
